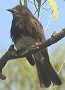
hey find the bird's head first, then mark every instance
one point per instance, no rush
(19, 10)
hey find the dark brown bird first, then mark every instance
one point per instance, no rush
(26, 30)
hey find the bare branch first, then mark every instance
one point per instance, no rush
(13, 54)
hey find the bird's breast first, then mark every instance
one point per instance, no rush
(24, 42)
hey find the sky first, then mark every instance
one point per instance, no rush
(6, 18)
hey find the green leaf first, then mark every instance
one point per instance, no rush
(55, 8)
(25, 2)
(39, 4)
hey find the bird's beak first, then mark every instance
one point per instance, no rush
(12, 10)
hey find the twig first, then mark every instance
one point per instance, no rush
(49, 21)
(30, 1)
(61, 67)
(34, 2)
(43, 2)
(44, 13)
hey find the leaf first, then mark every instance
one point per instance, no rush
(55, 8)
(25, 2)
(39, 4)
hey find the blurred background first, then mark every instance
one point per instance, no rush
(20, 75)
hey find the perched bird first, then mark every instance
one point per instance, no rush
(26, 30)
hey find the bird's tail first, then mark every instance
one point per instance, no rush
(46, 73)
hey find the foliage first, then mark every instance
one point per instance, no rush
(38, 5)
(55, 8)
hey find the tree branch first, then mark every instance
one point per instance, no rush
(13, 54)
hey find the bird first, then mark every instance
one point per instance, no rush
(26, 31)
